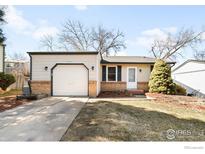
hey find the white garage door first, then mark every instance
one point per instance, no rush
(70, 80)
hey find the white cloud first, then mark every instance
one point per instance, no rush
(171, 29)
(19, 24)
(119, 53)
(81, 7)
(156, 33)
(203, 36)
(16, 20)
(44, 30)
(148, 36)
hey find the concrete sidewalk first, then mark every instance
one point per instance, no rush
(41, 120)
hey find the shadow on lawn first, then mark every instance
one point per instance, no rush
(108, 121)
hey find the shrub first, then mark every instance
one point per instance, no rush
(180, 90)
(6, 80)
(160, 79)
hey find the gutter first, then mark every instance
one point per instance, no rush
(108, 62)
(63, 53)
(4, 53)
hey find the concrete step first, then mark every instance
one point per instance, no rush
(136, 92)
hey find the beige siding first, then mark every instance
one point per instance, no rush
(142, 76)
(192, 74)
(1, 58)
(40, 61)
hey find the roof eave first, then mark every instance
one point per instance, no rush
(107, 62)
(187, 61)
(62, 53)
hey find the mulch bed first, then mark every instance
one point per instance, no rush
(10, 102)
(183, 101)
(113, 94)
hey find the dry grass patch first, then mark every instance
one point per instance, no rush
(12, 92)
(135, 120)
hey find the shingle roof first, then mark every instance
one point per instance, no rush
(189, 60)
(130, 60)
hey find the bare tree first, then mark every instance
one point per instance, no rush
(199, 54)
(172, 45)
(47, 41)
(18, 56)
(106, 41)
(76, 36)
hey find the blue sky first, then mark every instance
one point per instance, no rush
(140, 24)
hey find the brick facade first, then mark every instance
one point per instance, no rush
(121, 86)
(40, 87)
(92, 88)
(142, 86)
(113, 86)
(44, 87)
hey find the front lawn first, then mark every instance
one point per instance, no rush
(138, 120)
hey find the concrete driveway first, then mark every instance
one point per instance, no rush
(41, 120)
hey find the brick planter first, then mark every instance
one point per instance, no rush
(113, 86)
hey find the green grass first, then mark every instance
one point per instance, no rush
(139, 120)
(12, 92)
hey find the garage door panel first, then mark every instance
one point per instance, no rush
(70, 80)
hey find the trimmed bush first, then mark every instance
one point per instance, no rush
(180, 90)
(160, 79)
(6, 80)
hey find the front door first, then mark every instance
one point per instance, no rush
(131, 78)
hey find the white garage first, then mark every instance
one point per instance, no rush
(191, 75)
(69, 79)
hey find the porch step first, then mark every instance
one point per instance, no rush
(136, 92)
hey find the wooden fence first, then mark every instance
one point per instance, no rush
(20, 73)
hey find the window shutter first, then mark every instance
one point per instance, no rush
(103, 73)
(119, 73)
(151, 68)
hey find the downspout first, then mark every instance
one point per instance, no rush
(4, 53)
(29, 82)
(30, 66)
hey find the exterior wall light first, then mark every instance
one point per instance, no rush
(46, 68)
(92, 68)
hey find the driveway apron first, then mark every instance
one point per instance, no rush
(42, 120)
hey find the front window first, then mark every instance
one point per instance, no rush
(111, 73)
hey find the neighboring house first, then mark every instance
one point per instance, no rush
(191, 75)
(86, 73)
(2, 57)
(20, 70)
(21, 66)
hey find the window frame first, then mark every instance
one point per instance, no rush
(116, 74)
(103, 73)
